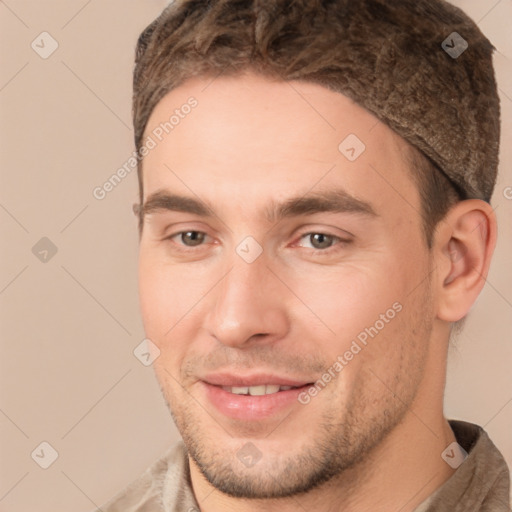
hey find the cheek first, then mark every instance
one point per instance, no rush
(161, 296)
(172, 308)
(153, 301)
(159, 306)
(350, 300)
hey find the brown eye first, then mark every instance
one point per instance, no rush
(320, 240)
(192, 238)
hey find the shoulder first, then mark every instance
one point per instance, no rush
(167, 474)
(481, 482)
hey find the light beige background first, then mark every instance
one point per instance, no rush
(69, 326)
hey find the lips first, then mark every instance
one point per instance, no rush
(252, 398)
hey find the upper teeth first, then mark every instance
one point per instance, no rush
(264, 389)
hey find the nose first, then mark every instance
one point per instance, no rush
(248, 306)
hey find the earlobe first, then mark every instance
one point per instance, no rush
(466, 242)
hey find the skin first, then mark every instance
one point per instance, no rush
(373, 438)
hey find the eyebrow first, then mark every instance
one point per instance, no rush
(332, 201)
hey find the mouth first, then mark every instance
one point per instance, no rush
(263, 389)
(252, 398)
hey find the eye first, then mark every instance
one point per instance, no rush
(190, 238)
(319, 241)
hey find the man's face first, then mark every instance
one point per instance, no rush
(265, 288)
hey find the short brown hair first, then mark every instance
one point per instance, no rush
(283, 40)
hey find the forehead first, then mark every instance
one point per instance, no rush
(257, 138)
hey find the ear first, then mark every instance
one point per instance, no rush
(463, 246)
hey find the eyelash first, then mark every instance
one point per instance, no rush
(337, 241)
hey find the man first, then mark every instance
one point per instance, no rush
(314, 213)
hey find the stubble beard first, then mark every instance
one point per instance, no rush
(340, 444)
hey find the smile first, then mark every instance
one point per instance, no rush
(265, 389)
